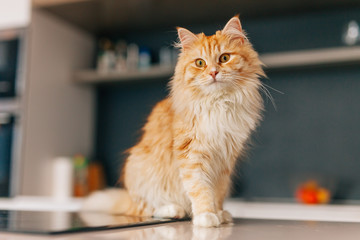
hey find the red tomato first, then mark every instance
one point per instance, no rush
(308, 196)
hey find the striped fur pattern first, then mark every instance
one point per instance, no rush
(182, 165)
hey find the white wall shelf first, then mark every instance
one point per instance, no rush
(279, 210)
(312, 57)
(93, 76)
(279, 60)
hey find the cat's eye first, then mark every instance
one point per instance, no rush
(224, 58)
(200, 62)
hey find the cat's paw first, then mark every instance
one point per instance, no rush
(206, 219)
(170, 211)
(225, 216)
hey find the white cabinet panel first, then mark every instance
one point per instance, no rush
(14, 13)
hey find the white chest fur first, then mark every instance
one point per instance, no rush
(225, 123)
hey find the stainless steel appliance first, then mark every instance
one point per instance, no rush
(12, 64)
(9, 61)
(6, 140)
(69, 222)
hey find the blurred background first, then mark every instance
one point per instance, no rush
(79, 77)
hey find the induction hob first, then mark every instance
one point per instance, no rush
(68, 222)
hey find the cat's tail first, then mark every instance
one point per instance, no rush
(114, 201)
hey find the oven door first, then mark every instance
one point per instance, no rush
(6, 137)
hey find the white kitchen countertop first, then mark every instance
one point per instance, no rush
(237, 207)
(34, 203)
(256, 221)
(293, 211)
(242, 229)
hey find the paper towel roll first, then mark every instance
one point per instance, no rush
(63, 176)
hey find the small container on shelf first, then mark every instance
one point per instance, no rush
(106, 59)
(132, 60)
(63, 178)
(88, 176)
(96, 180)
(165, 57)
(80, 176)
(120, 53)
(144, 59)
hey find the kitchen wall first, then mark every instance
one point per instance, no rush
(313, 131)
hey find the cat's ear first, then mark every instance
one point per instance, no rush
(233, 29)
(186, 37)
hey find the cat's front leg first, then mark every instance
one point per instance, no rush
(200, 190)
(222, 188)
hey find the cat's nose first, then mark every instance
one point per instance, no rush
(213, 74)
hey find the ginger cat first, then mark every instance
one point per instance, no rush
(183, 164)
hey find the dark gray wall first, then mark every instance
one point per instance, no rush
(313, 132)
(122, 111)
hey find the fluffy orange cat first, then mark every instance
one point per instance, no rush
(183, 164)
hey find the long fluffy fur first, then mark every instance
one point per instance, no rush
(183, 163)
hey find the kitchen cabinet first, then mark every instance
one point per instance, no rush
(57, 115)
(46, 3)
(107, 16)
(14, 14)
(53, 116)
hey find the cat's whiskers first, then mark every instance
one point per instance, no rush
(263, 88)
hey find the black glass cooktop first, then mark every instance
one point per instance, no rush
(68, 222)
